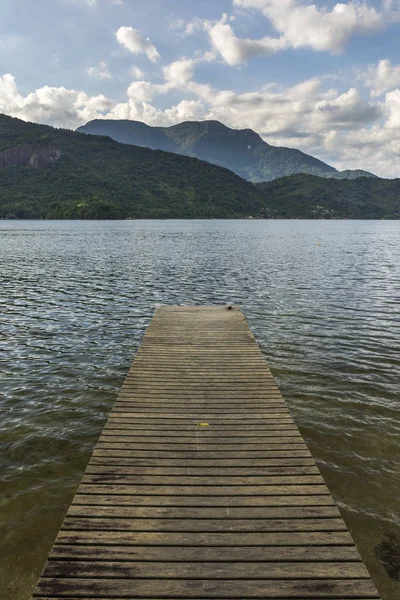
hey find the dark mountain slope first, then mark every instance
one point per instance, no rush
(54, 173)
(243, 151)
(310, 197)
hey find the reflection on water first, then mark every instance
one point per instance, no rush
(75, 300)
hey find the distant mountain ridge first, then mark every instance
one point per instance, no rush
(242, 151)
(349, 174)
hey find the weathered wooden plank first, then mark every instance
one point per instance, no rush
(206, 570)
(235, 554)
(163, 387)
(164, 405)
(266, 401)
(175, 385)
(196, 500)
(199, 397)
(202, 415)
(232, 538)
(214, 375)
(148, 421)
(249, 455)
(201, 448)
(200, 439)
(204, 430)
(186, 362)
(193, 588)
(178, 371)
(200, 400)
(209, 472)
(208, 409)
(202, 525)
(204, 437)
(205, 512)
(168, 351)
(244, 459)
(186, 480)
(205, 490)
(209, 431)
(222, 466)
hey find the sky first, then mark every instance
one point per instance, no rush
(321, 77)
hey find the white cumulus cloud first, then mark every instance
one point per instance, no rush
(135, 42)
(186, 110)
(348, 109)
(55, 106)
(179, 72)
(382, 77)
(235, 50)
(392, 105)
(101, 71)
(141, 91)
(298, 25)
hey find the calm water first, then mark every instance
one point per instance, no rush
(76, 298)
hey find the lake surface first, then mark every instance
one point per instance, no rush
(322, 298)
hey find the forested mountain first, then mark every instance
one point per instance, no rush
(310, 197)
(241, 150)
(55, 173)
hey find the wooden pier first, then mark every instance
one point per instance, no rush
(201, 485)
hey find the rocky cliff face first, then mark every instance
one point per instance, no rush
(23, 156)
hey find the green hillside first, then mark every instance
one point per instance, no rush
(310, 197)
(60, 174)
(54, 173)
